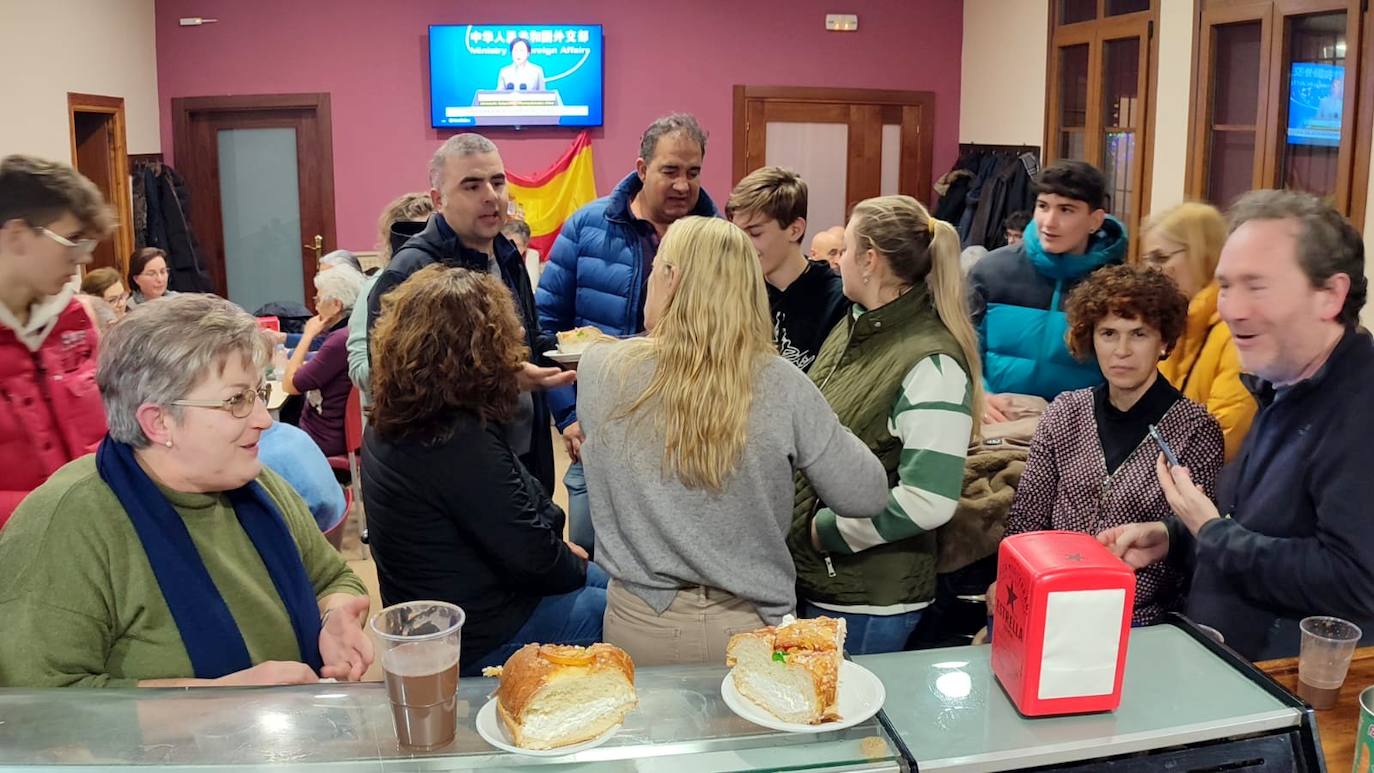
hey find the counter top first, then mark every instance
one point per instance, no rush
(953, 716)
(943, 706)
(1337, 726)
(682, 724)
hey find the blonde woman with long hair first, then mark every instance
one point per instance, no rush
(694, 433)
(902, 372)
(1185, 243)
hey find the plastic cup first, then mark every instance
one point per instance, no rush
(1328, 643)
(421, 642)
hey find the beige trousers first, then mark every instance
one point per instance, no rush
(694, 629)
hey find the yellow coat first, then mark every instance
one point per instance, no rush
(1205, 367)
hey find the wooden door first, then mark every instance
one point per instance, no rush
(260, 170)
(848, 144)
(100, 152)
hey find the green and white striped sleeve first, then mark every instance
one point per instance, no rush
(934, 420)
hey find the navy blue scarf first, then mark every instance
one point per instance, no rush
(212, 638)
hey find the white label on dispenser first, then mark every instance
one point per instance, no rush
(1082, 638)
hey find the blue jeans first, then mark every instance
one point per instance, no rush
(870, 634)
(580, 531)
(568, 618)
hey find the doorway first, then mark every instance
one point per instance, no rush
(100, 152)
(260, 170)
(848, 144)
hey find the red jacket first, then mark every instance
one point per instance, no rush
(50, 409)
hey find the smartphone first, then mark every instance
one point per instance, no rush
(1169, 455)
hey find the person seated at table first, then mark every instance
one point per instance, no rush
(694, 434)
(171, 557)
(324, 379)
(148, 276)
(105, 283)
(1185, 243)
(291, 453)
(340, 258)
(1092, 461)
(453, 515)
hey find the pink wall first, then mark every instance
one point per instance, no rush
(372, 57)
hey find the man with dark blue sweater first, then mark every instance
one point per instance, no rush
(1291, 533)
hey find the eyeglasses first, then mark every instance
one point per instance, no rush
(1157, 258)
(239, 406)
(80, 246)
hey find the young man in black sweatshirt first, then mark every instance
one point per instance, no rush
(805, 297)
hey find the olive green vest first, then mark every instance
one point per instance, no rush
(860, 370)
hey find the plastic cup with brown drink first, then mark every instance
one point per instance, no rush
(420, 642)
(1328, 643)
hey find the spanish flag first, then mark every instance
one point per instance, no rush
(551, 196)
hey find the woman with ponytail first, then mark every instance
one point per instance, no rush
(694, 433)
(902, 372)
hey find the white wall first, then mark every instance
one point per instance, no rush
(51, 47)
(1172, 103)
(1002, 89)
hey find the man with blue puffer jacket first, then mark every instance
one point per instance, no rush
(1017, 293)
(599, 265)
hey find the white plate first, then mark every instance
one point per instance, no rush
(562, 358)
(861, 695)
(493, 732)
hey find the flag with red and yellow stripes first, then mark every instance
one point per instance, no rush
(551, 196)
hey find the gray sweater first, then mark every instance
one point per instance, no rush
(656, 536)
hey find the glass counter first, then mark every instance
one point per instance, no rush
(1187, 703)
(682, 724)
(1180, 690)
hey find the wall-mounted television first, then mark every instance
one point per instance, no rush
(515, 75)
(1316, 97)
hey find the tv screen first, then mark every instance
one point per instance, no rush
(1316, 96)
(515, 75)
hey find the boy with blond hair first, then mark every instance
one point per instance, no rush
(805, 297)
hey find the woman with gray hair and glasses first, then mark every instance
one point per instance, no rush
(171, 557)
(324, 380)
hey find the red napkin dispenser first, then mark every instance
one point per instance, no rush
(1061, 624)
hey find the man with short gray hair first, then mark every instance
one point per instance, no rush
(598, 266)
(1290, 534)
(468, 185)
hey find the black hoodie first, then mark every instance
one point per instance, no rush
(806, 312)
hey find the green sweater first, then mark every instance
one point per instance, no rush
(81, 606)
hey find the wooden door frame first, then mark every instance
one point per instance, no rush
(120, 190)
(1354, 168)
(1095, 34)
(183, 108)
(916, 114)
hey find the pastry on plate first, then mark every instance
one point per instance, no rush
(792, 671)
(555, 695)
(577, 340)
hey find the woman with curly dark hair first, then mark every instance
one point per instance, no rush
(1092, 461)
(452, 513)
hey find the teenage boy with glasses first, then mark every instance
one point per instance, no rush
(51, 218)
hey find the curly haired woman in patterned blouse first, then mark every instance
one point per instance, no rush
(1092, 462)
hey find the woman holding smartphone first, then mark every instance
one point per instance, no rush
(1092, 459)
